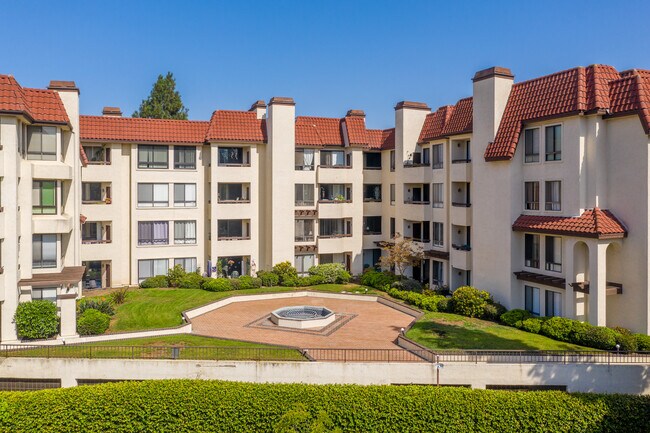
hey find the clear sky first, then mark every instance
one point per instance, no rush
(330, 56)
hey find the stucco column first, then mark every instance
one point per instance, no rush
(68, 305)
(597, 284)
(569, 307)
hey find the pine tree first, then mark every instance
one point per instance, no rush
(164, 101)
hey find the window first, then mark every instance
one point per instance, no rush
(553, 253)
(232, 229)
(371, 192)
(334, 158)
(531, 245)
(531, 145)
(232, 156)
(152, 268)
(153, 195)
(41, 143)
(417, 194)
(438, 235)
(554, 195)
(438, 195)
(371, 257)
(153, 232)
(553, 304)
(372, 225)
(335, 192)
(531, 200)
(91, 232)
(44, 253)
(184, 194)
(335, 227)
(184, 232)
(303, 263)
(91, 192)
(44, 294)
(44, 197)
(436, 155)
(426, 158)
(372, 160)
(304, 230)
(392, 160)
(305, 159)
(152, 156)
(392, 228)
(185, 157)
(438, 276)
(392, 194)
(531, 300)
(304, 194)
(233, 192)
(188, 263)
(554, 143)
(98, 155)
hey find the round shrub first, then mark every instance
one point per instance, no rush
(469, 301)
(269, 279)
(332, 273)
(598, 337)
(93, 322)
(532, 325)
(157, 282)
(235, 284)
(291, 282)
(100, 304)
(626, 342)
(443, 304)
(36, 319)
(643, 342)
(175, 275)
(563, 329)
(217, 285)
(515, 317)
(285, 271)
(493, 311)
(376, 279)
(191, 280)
(248, 282)
(315, 280)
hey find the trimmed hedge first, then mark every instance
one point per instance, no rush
(269, 279)
(423, 302)
(93, 322)
(376, 279)
(36, 319)
(217, 285)
(157, 282)
(180, 406)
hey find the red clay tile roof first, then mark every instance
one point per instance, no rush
(38, 105)
(593, 223)
(577, 90)
(318, 131)
(83, 156)
(448, 120)
(381, 139)
(357, 132)
(241, 126)
(138, 130)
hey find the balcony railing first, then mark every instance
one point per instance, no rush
(371, 232)
(242, 200)
(460, 204)
(334, 166)
(342, 235)
(234, 164)
(304, 202)
(461, 247)
(411, 164)
(409, 201)
(305, 167)
(371, 199)
(96, 241)
(305, 238)
(461, 161)
(233, 238)
(334, 201)
(422, 240)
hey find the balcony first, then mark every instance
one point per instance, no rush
(461, 257)
(461, 170)
(305, 238)
(420, 202)
(234, 157)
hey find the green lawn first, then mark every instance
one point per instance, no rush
(190, 347)
(162, 308)
(451, 331)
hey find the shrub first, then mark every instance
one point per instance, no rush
(248, 282)
(217, 285)
(563, 329)
(622, 330)
(285, 271)
(291, 282)
(269, 279)
(314, 280)
(157, 282)
(99, 304)
(493, 311)
(643, 342)
(598, 337)
(332, 273)
(376, 279)
(469, 301)
(626, 342)
(175, 275)
(235, 284)
(93, 322)
(191, 280)
(533, 325)
(119, 297)
(444, 304)
(515, 317)
(36, 319)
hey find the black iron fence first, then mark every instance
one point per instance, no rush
(541, 356)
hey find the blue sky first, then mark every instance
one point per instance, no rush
(330, 56)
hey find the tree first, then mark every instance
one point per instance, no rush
(401, 254)
(164, 101)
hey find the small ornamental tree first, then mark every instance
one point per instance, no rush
(164, 101)
(401, 254)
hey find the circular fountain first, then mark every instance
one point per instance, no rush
(303, 317)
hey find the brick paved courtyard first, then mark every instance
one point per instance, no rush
(363, 324)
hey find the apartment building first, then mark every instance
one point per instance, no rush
(535, 191)
(40, 193)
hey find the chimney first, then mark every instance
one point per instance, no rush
(112, 112)
(63, 86)
(491, 91)
(259, 107)
(409, 118)
(355, 113)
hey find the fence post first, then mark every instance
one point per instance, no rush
(132, 352)
(90, 352)
(48, 352)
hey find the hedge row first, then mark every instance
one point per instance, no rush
(210, 406)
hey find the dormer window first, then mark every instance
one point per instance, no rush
(41, 143)
(553, 143)
(531, 145)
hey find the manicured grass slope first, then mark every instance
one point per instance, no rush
(451, 331)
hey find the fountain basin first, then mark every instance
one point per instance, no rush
(303, 317)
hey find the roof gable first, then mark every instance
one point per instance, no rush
(593, 223)
(38, 105)
(240, 126)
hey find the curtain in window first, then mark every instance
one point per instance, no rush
(308, 159)
(160, 232)
(334, 158)
(190, 193)
(161, 194)
(160, 267)
(555, 194)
